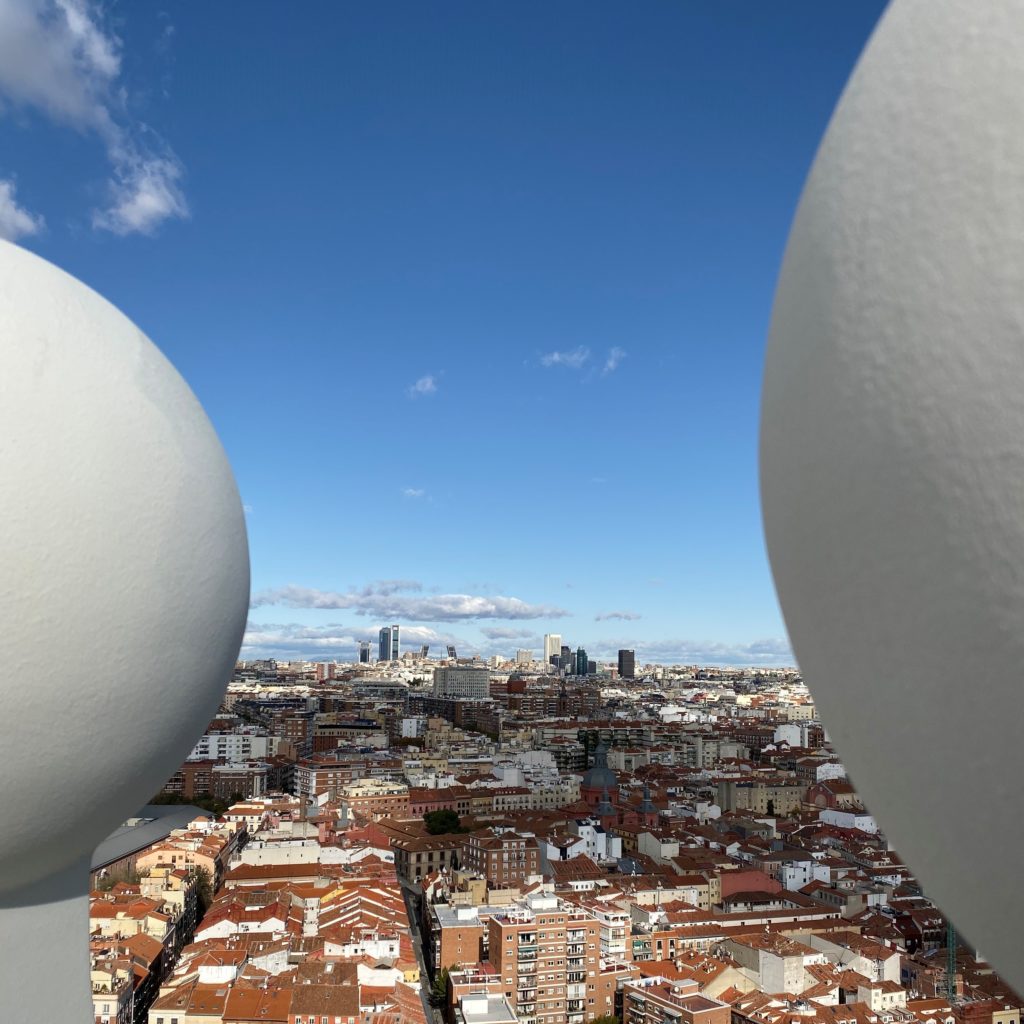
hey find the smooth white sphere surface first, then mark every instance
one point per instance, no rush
(892, 449)
(124, 571)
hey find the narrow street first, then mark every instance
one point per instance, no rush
(432, 1014)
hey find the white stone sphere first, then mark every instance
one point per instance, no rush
(892, 448)
(124, 570)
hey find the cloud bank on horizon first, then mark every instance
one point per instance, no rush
(337, 641)
(386, 600)
(418, 612)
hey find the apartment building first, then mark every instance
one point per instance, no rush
(772, 797)
(505, 859)
(373, 799)
(233, 746)
(455, 938)
(657, 1001)
(547, 953)
(417, 856)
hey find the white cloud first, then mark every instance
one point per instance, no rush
(505, 633)
(386, 601)
(625, 616)
(413, 492)
(614, 357)
(57, 58)
(143, 194)
(426, 385)
(15, 221)
(573, 358)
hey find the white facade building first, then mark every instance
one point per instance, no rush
(848, 819)
(462, 682)
(552, 645)
(230, 746)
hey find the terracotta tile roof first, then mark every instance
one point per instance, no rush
(340, 1000)
(246, 1005)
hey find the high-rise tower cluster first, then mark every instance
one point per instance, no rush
(388, 647)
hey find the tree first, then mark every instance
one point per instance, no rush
(607, 1018)
(205, 801)
(439, 990)
(204, 888)
(112, 878)
(442, 822)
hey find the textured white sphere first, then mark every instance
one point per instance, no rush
(124, 572)
(892, 448)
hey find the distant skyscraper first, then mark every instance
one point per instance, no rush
(627, 664)
(523, 656)
(364, 652)
(387, 643)
(552, 646)
(424, 651)
(451, 652)
(582, 662)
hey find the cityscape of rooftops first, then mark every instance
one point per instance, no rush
(475, 297)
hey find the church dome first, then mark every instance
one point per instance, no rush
(600, 776)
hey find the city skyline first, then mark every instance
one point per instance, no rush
(558, 231)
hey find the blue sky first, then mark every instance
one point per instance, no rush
(476, 295)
